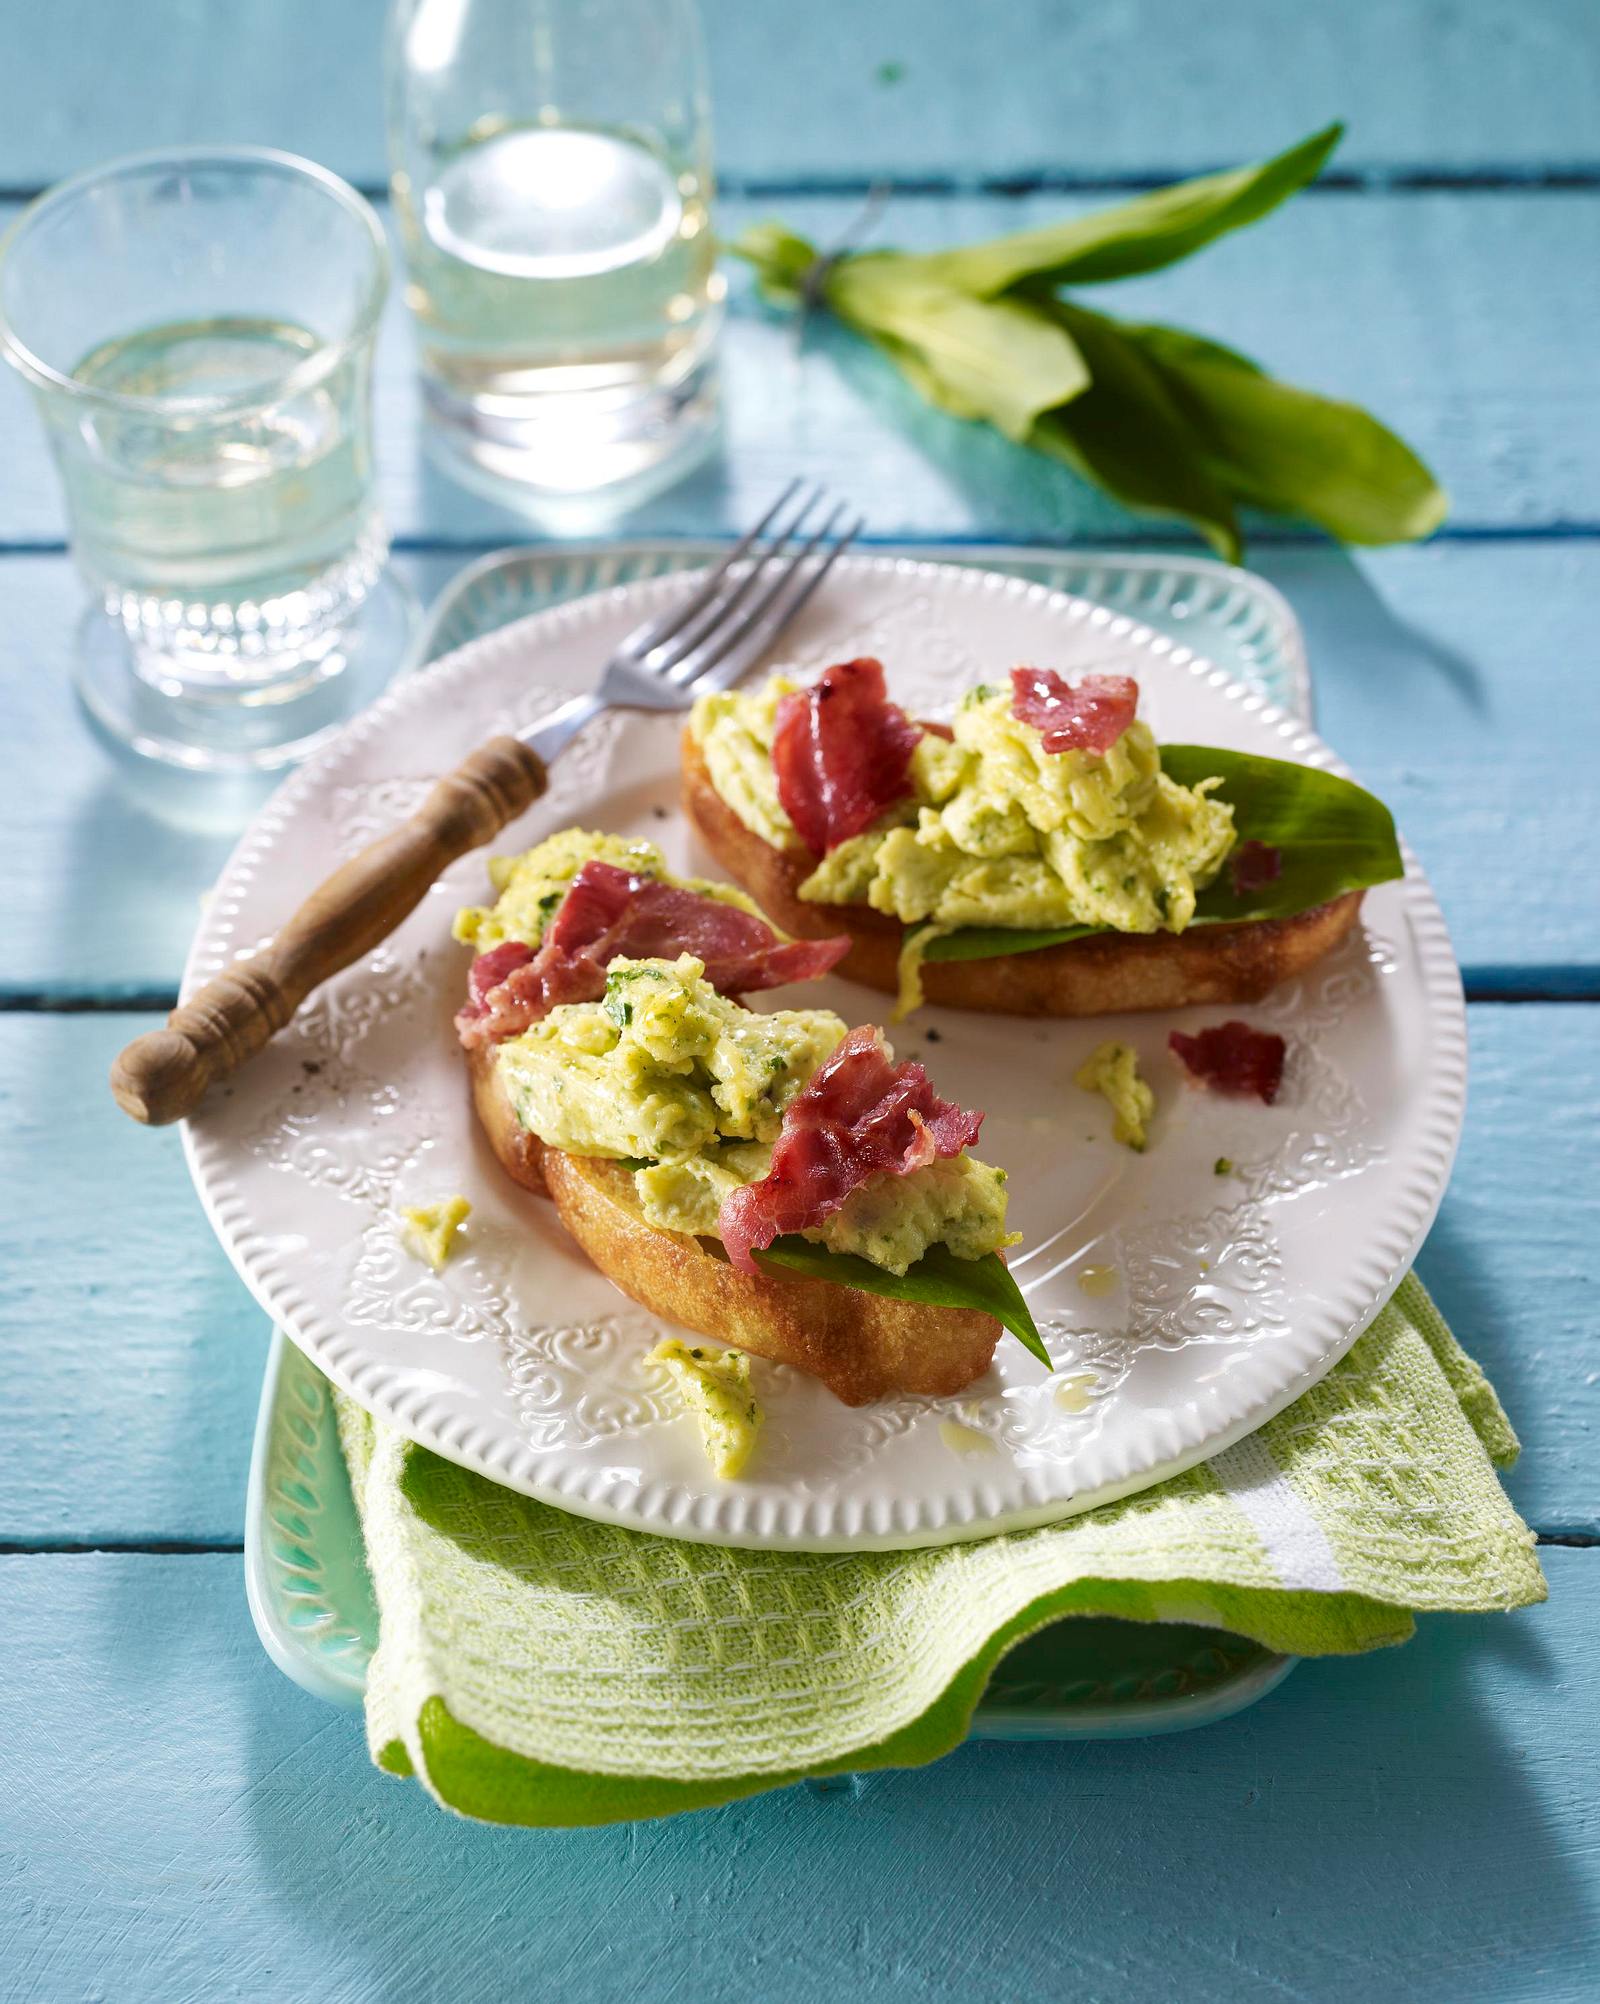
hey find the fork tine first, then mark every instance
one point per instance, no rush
(740, 650)
(651, 632)
(703, 626)
(729, 635)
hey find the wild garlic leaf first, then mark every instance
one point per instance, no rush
(993, 942)
(1129, 434)
(1277, 447)
(996, 359)
(1138, 236)
(1165, 421)
(938, 1280)
(926, 381)
(1331, 835)
(781, 260)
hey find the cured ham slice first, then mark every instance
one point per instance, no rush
(489, 969)
(1255, 865)
(1089, 715)
(859, 1115)
(610, 913)
(841, 754)
(1234, 1058)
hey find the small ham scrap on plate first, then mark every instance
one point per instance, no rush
(1234, 1058)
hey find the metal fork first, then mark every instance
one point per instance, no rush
(711, 638)
(707, 640)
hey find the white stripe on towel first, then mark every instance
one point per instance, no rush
(1295, 1541)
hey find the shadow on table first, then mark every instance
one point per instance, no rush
(1469, 1297)
(1372, 1827)
(1015, 492)
(1362, 650)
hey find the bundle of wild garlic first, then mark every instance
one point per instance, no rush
(1166, 421)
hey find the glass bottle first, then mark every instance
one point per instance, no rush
(551, 169)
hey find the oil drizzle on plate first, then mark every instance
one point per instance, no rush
(964, 1439)
(1072, 1394)
(1097, 1280)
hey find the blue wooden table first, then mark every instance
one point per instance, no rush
(179, 1822)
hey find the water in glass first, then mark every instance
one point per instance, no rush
(197, 329)
(551, 174)
(242, 508)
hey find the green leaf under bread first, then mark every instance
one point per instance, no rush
(989, 942)
(1332, 836)
(938, 1280)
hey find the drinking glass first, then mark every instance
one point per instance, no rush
(551, 170)
(197, 329)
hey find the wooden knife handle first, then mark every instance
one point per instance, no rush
(163, 1076)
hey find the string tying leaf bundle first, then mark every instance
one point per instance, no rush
(1166, 421)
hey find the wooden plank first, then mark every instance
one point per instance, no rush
(1447, 314)
(133, 1353)
(184, 1825)
(1510, 1259)
(910, 88)
(132, 1357)
(1427, 663)
(111, 893)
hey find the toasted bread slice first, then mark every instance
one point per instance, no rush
(862, 1346)
(1098, 976)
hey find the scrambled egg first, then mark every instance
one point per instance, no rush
(532, 885)
(998, 832)
(890, 1220)
(715, 1386)
(431, 1229)
(689, 1089)
(1112, 1070)
(663, 1066)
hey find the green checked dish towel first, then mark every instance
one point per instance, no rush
(534, 1667)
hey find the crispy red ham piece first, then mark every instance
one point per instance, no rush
(1234, 1058)
(859, 1115)
(489, 969)
(1255, 865)
(1085, 716)
(609, 913)
(841, 752)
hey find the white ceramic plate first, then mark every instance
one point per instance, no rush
(1231, 1294)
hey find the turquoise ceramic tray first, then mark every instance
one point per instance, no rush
(1236, 620)
(305, 1569)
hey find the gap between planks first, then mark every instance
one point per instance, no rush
(1558, 177)
(22, 1548)
(1580, 985)
(1265, 536)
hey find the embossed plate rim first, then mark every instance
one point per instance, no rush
(470, 1429)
